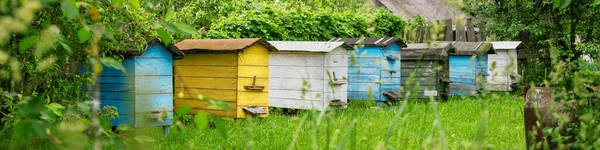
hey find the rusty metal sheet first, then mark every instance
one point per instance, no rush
(197, 45)
(370, 41)
(472, 48)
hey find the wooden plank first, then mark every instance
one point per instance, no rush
(123, 119)
(242, 114)
(297, 72)
(295, 104)
(385, 88)
(153, 84)
(367, 51)
(422, 80)
(216, 94)
(129, 96)
(364, 96)
(256, 55)
(305, 59)
(367, 62)
(203, 105)
(117, 87)
(337, 95)
(471, 31)
(205, 71)
(297, 95)
(461, 89)
(337, 57)
(142, 121)
(482, 36)
(390, 80)
(449, 33)
(146, 103)
(362, 87)
(360, 78)
(253, 98)
(461, 34)
(406, 72)
(251, 71)
(218, 113)
(388, 74)
(206, 82)
(245, 81)
(295, 84)
(420, 64)
(116, 80)
(153, 66)
(208, 59)
(363, 70)
(341, 73)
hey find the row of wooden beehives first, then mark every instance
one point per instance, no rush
(251, 75)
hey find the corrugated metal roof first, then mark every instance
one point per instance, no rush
(370, 41)
(473, 48)
(424, 51)
(197, 45)
(308, 46)
(508, 45)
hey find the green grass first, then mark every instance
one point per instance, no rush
(461, 119)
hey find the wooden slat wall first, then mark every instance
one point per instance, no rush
(425, 75)
(364, 73)
(212, 75)
(336, 61)
(254, 61)
(296, 80)
(463, 75)
(154, 85)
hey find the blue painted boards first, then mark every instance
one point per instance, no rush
(468, 64)
(146, 89)
(372, 74)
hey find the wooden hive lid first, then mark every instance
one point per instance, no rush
(221, 45)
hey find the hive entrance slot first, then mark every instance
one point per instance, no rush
(392, 95)
(392, 57)
(337, 103)
(254, 87)
(336, 81)
(155, 115)
(254, 110)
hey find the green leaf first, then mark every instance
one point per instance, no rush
(69, 9)
(185, 28)
(110, 62)
(561, 3)
(169, 14)
(144, 138)
(184, 110)
(28, 42)
(84, 35)
(221, 128)
(117, 3)
(65, 46)
(597, 2)
(56, 108)
(171, 27)
(84, 107)
(135, 4)
(164, 36)
(201, 120)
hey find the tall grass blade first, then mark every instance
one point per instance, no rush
(346, 138)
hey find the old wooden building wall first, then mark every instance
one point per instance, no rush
(336, 62)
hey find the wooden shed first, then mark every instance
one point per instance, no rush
(429, 63)
(308, 75)
(374, 68)
(144, 92)
(467, 62)
(235, 71)
(503, 66)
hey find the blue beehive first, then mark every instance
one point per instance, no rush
(144, 93)
(374, 70)
(468, 62)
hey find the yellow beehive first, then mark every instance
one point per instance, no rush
(235, 71)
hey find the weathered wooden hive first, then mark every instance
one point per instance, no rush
(503, 66)
(429, 63)
(308, 75)
(143, 95)
(374, 68)
(235, 71)
(467, 63)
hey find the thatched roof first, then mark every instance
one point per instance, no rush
(428, 9)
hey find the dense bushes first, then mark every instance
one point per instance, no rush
(305, 24)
